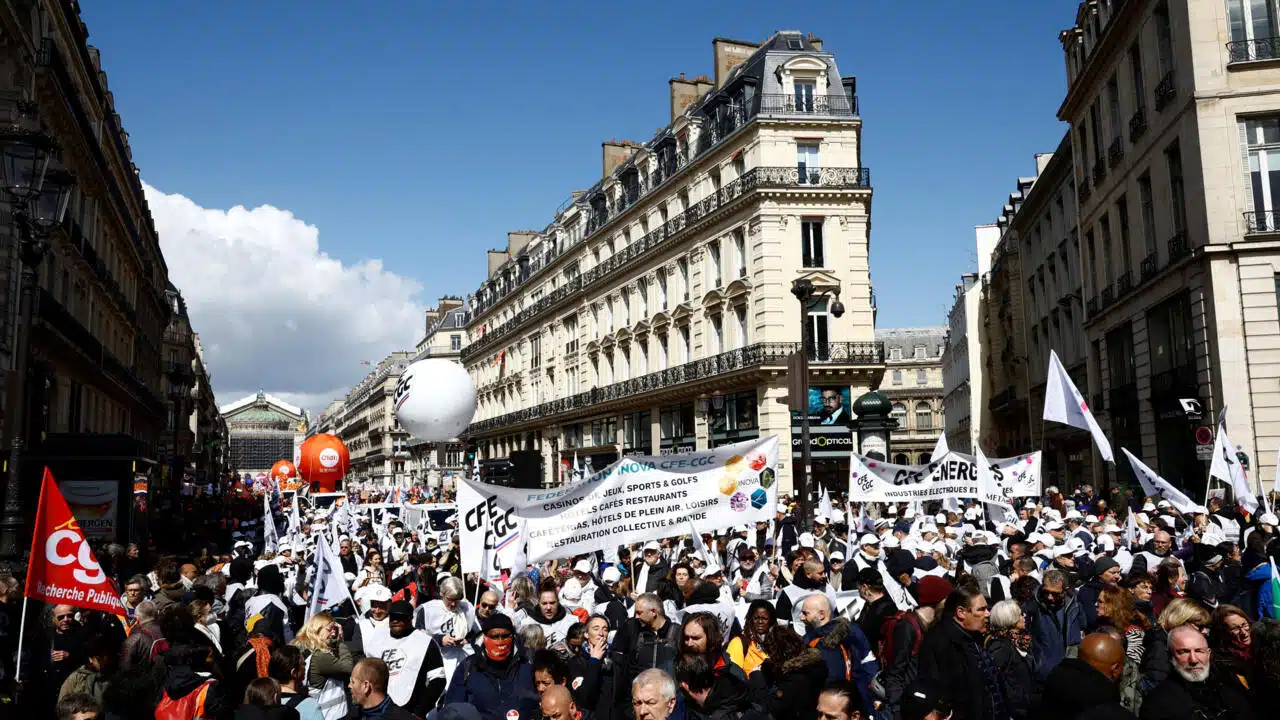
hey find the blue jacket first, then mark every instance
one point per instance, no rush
(841, 639)
(1262, 575)
(495, 690)
(1053, 632)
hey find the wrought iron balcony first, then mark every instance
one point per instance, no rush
(1150, 266)
(1253, 50)
(1179, 247)
(1003, 399)
(1166, 91)
(1091, 307)
(809, 105)
(751, 356)
(1099, 171)
(1124, 283)
(1108, 296)
(1180, 381)
(1262, 222)
(1138, 124)
(754, 179)
(1083, 191)
(1115, 153)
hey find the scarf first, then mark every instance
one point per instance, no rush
(990, 678)
(261, 653)
(1242, 654)
(1020, 639)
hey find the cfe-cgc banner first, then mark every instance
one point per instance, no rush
(953, 475)
(634, 500)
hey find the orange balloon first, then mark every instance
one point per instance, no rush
(324, 462)
(284, 474)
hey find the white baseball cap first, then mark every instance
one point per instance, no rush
(1053, 525)
(710, 570)
(837, 555)
(1053, 489)
(837, 516)
(611, 575)
(1074, 515)
(891, 542)
(582, 566)
(1148, 506)
(806, 540)
(1268, 519)
(652, 546)
(1164, 504)
(1091, 519)
(868, 539)
(782, 508)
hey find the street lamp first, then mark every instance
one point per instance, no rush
(808, 295)
(38, 200)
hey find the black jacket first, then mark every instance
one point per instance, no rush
(1177, 699)
(789, 688)
(657, 574)
(1016, 677)
(946, 660)
(872, 619)
(275, 712)
(1074, 690)
(611, 606)
(729, 699)
(385, 711)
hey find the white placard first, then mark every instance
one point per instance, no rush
(954, 475)
(634, 500)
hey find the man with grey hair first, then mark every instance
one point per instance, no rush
(648, 640)
(653, 695)
(146, 635)
(448, 621)
(1192, 691)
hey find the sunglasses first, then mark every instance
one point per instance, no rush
(68, 616)
(488, 605)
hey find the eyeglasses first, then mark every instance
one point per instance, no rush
(488, 606)
(68, 616)
(1241, 629)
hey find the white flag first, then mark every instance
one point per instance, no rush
(940, 448)
(1226, 467)
(1131, 525)
(824, 505)
(330, 588)
(1155, 486)
(1064, 404)
(270, 538)
(700, 548)
(295, 518)
(997, 512)
(577, 469)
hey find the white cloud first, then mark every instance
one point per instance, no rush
(273, 310)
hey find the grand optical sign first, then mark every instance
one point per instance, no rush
(953, 475)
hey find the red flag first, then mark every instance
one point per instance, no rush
(63, 569)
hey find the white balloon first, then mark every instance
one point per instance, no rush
(435, 399)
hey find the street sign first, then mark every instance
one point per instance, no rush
(1204, 452)
(1204, 436)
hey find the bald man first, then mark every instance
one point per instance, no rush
(841, 643)
(1085, 686)
(557, 704)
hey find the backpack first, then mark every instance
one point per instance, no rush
(848, 662)
(187, 707)
(885, 652)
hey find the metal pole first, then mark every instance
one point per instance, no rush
(11, 523)
(805, 470)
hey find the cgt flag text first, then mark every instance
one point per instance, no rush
(63, 568)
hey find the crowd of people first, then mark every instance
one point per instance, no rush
(1082, 608)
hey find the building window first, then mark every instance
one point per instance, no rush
(1135, 73)
(897, 377)
(455, 342)
(1263, 138)
(818, 333)
(1148, 215)
(1252, 20)
(922, 378)
(662, 287)
(811, 240)
(717, 335)
(682, 266)
(924, 416)
(713, 265)
(1113, 106)
(662, 352)
(1122, 212)
(686, 348)
(535, 351)
(918, 352)
(1177, 191)
(807, 162)
(804, 95)
(642, 367)
(895, 353)
(740, 316)
(899, 413)
(642, 291)
(1164, 39)
(740, 250)
(626, 306)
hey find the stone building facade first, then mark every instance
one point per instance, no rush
(367, 425)
(263, 429)
(913, 383)
(654, 314)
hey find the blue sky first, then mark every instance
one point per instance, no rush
(419, 135)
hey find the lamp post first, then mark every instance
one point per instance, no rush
(38, 201)
(808, 295)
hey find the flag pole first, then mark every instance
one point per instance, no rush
(22, 633)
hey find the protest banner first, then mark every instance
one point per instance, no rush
(953, 475)
(636, 499)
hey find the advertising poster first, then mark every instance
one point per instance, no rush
(94, 504)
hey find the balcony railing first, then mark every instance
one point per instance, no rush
(1099, 171)
(1108, 296)
(1253, 50)
(1150, 265)
(752, 356)
(1178, 246)
(809, 105)
(752, 180)
(1083, 191)
(1262, 221)
(1115, 153)
(1091, 307)
(1137, 124)
(1166, 91)
(1180, 380)
(1002, 399)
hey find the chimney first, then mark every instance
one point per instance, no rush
(517, 240)
(730, 54)
(704, 85)
(683, 94)
(815, 42)
(616, 152)
(497, 258)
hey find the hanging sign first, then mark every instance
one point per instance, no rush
(953, 475)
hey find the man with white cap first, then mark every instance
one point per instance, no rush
(582, 573)
(867, 556)
(786, 533)
(649, 570)
(607, 602)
